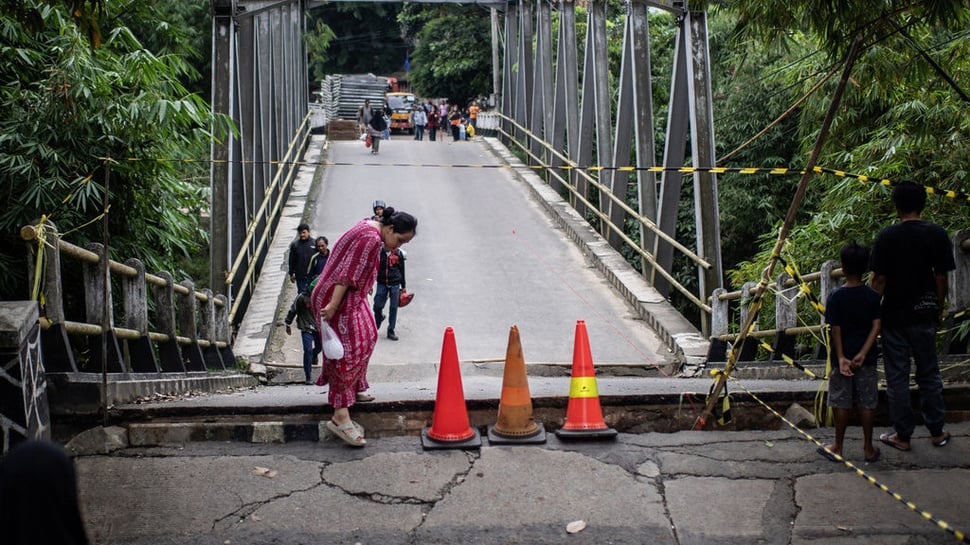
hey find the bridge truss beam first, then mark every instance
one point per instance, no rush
(585, 127)
(259, 80)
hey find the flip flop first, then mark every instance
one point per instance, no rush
(943, 441)
(361, 397)
(874, 458)
(826, 454)
(347, 432)
(892, 440)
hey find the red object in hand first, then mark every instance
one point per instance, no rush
(404, 299)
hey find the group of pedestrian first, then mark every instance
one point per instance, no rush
(427, 118)
(904, 305)
(307, 259)
(374, 124)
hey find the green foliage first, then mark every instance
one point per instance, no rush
(355, 38)
(836, 22)
(71, 109)
(182, 28)
(453, 56)
(317, 40)
(899, 120)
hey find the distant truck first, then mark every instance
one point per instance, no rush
(400, 106)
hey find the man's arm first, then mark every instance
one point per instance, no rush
(878, 283)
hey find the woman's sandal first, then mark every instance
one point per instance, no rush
(348, 432)
(361, 397)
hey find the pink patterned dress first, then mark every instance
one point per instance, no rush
(353, 263)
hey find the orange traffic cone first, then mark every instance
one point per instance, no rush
(515, 423)
(584, 417)
(449, 424)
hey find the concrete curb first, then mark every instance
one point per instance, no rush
(677, 333)
(85, 388)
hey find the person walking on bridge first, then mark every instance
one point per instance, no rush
(301, 250)
(319, 259)
(364, 115)
(390, 283)
(377, 128)
(340, 298)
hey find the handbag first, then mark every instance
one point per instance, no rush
(368, 142)
(333, 349)
(404, 299)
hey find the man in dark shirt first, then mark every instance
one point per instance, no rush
(910, 261)
(319, 259)
(301, 250)
(390, 282)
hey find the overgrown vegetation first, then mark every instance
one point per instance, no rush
(77, 103)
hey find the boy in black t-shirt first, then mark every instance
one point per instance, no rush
(852, 312)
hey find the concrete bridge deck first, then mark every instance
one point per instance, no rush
(495, 248)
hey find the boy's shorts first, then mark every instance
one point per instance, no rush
(863, 387)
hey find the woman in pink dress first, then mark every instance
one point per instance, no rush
(340, 299)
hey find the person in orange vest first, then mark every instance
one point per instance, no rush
(473, 114)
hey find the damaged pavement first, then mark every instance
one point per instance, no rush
(705, 487)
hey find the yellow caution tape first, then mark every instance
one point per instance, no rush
(926, 515)
(948, 193)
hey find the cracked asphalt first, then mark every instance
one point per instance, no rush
(766, 487)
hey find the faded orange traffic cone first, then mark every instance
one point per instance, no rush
(515, 424)
(449, 423)
(584, 417)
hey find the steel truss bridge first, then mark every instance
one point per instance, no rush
(259, 80)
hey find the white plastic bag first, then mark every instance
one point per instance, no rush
(333, 349)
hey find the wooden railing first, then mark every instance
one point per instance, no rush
(191, 328)
(822, 283)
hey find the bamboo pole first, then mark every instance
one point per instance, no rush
(783, 233)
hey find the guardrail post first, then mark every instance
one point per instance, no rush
(95, 294)
(959, 294)
(786, 315)
(24, 412)
(187, 321)
(207, 330)
(222, 332)
(139, 352)
(56, 345)
(720, 316)
(750, 348)
(171, 354)
(186, 317)
(827, 284)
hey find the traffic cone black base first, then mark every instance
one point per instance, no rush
(473, 442)
(608, 433)
(536, 438)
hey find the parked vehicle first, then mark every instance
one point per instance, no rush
(400, 106)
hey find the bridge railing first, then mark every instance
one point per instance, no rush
(188, 332)
(244, 273)
(786, 328)
(593, 208)
(787, 294)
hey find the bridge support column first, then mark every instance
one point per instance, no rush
(24, 411)
(542, 91)
(691, 106)
(565, 129)
(97, 293)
